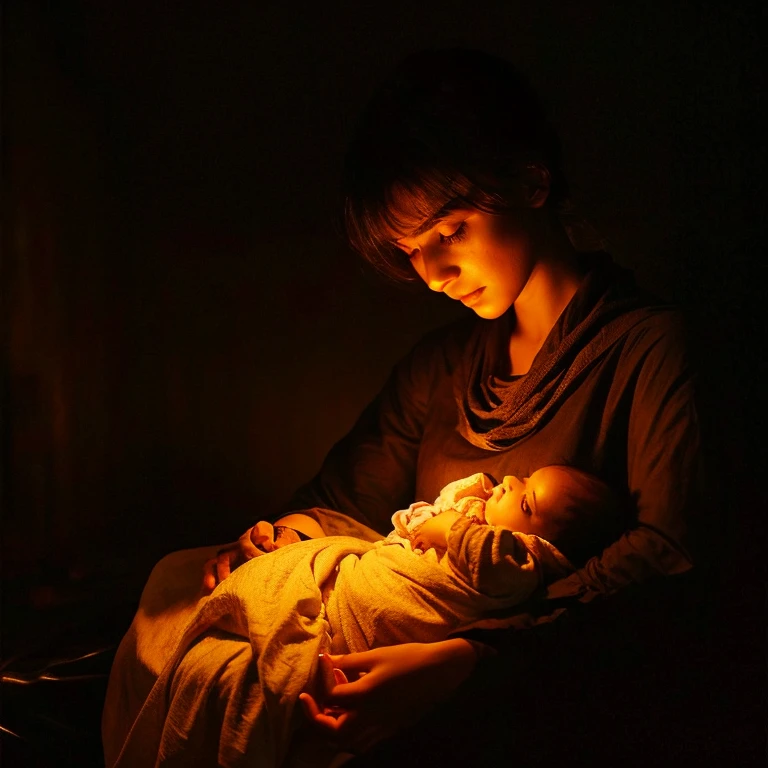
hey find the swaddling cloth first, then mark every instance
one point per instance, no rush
(467, 496)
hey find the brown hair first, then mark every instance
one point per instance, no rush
(450, 129)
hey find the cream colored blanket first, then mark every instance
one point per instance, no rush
(214, 680)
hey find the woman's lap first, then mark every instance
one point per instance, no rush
(168, 601)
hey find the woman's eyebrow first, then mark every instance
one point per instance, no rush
(425, 226)
(432, 221)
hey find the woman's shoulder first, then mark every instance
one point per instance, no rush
(662, 326)
(662, 346)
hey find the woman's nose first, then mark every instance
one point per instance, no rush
(434, 271)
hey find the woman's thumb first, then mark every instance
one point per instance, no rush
(339, 677)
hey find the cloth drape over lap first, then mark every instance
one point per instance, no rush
(226, 693)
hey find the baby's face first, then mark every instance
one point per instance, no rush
(519, 505)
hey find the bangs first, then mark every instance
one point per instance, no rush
(422, 149)
(405, 206)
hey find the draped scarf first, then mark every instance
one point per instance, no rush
(495, 413)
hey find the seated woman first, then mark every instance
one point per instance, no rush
(455, 178)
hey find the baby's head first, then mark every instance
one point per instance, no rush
(563, 505)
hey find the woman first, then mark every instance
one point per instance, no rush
(455, 178)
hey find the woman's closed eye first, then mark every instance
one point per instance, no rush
(457, 235)
(524, 506)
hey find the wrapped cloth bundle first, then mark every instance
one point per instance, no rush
(214, 680)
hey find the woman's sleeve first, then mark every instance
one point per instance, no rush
(499, 563)
(649, 570)
(664, 479)
(371, 472)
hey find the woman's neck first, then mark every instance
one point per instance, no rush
(554, 280)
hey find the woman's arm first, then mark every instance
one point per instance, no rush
(664, 472)
(302, 523)
(369, 473)
(491, 560)
(389, 688)
(260, 539)
(501, 563)
(664, 476)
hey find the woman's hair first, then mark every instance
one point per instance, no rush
(449, 129)
(582, 516)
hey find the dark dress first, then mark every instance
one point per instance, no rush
(611, 392)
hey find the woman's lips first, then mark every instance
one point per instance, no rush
(472, 298)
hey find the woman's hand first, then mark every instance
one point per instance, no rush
(390, 688)
(258, 540)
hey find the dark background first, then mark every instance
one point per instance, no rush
(186, 332)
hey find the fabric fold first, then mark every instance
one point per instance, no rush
(495, 413)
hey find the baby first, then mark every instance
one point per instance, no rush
(564, 506)
(467, 560)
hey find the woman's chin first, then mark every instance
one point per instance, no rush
(489, 312)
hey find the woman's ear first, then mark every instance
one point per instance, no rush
(537, 182)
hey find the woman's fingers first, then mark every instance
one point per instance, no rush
(391, 687)
(309, 705)
(216, 570)
(349, 676)
(257, 540)
(209, 575)
(327, 719)
(339, 677)
(225, 562)
(348, 695)
(343, 727)
(352, 664)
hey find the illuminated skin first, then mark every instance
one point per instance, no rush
(521, 506)
(483, 260)
(491, 262)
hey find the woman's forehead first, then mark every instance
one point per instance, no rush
(410, 212)
(412, 228)
(417, 230)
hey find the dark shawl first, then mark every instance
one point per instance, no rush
(493, 415)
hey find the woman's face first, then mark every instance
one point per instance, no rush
(480, 259)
